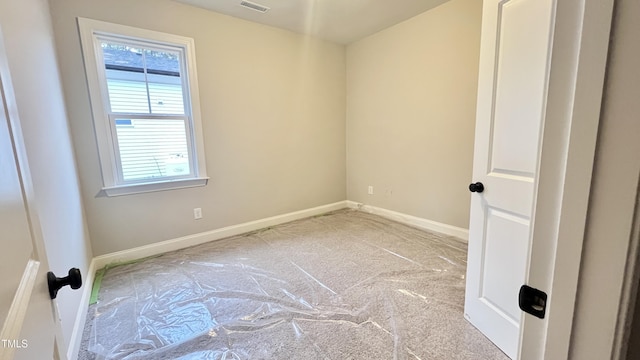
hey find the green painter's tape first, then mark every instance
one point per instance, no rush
(97, 282)
(100, 274)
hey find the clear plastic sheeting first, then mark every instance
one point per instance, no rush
(346, 285)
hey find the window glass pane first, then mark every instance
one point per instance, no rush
(127, 96)
(165, 98)
(121, 55)
(152, 148)
(141, 80)
(162, 62)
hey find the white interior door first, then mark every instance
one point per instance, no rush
(26, 310)
(512, 88)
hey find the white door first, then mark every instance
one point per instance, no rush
(512, 88)
(26, 310)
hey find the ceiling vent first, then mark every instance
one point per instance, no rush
(254, 6)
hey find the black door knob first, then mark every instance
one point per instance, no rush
(74, 279)
(477, 187)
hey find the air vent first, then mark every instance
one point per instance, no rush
(254, 6)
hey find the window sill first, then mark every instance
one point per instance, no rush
(155, 186)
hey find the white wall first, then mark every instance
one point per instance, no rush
(411, 98)
(273, 112)
(28, 37)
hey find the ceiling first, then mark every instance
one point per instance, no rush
(340, 21)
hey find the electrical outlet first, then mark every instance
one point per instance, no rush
(370, 190)
(197, 213)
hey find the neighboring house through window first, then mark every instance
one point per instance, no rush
(145, 104)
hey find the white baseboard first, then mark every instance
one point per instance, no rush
(196, 239)
(201, 238)
(430, 225)
(81, 317)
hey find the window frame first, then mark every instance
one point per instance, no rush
(92, 32)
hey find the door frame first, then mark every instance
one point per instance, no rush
(630, 287)
(613, 231)
(576, 82)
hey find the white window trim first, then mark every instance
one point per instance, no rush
(89, 30)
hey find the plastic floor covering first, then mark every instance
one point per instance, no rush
(345, 285)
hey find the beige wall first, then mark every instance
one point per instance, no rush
(273, 112)
(411, 95)
(28, 38)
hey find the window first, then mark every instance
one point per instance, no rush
(144, 97)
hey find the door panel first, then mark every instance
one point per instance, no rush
(514, 58)
(502, 252)
(518, 101)
(26, 311)
(13, 221)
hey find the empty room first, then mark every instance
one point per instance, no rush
(319, 179)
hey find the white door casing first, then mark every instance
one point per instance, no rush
(27, 314)
(512, 88)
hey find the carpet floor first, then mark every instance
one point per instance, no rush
(345, 285)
